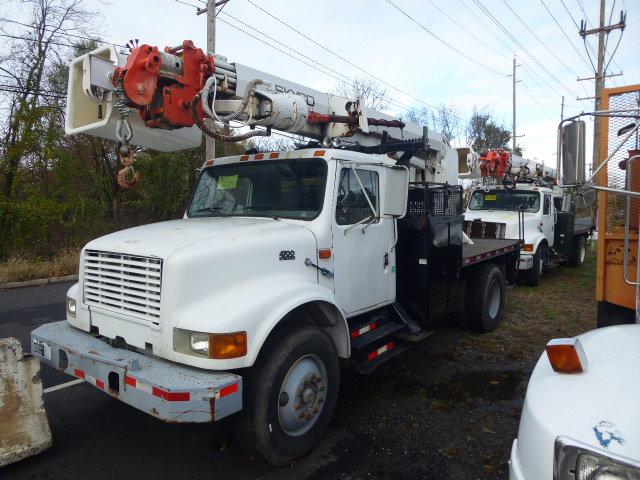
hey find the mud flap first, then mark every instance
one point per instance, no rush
(24, 427)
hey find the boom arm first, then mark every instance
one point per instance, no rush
(163, 94)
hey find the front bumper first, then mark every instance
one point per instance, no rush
(525, 262)
(168, 391)
(515, 471)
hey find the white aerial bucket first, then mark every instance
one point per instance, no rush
(89, 113)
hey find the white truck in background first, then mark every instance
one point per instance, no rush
(286, 265)
(515, 200)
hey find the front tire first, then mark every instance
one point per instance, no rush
(291, 395)
(485, 298)
(532, 277)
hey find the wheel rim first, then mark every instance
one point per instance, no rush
(302, 395)
(583, 253)
(540, 265)
(494, 298)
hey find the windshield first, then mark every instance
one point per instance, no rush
(505, 200)
(274, 188)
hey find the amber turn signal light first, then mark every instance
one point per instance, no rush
(566, 355)
(324, 253)
(227, 345)
(528, 247)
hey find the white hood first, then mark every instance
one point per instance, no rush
(164, 238)
(600, 407)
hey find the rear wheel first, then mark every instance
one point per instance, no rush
(291, 395)
(579, 253)
(485, 298)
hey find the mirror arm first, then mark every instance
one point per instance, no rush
(356, 224)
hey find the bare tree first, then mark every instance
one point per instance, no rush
(444, 119)
(33, 53)
(484, 131)
(368, 90)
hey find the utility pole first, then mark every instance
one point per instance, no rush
(562, 109)
(513, 128)
(210, 10)
(602, 31)
(210, 145)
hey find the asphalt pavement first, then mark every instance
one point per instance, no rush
(438, 411)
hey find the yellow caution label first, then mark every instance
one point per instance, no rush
(490, 197)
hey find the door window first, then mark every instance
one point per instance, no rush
(547, 205)
(352, 205)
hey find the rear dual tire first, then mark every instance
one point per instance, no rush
(579, 253)
(485, 298)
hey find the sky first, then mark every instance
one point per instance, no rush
(379, 39)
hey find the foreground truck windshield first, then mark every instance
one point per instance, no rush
(287, 189)
(505, 200)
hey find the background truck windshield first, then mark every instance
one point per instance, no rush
(270, 188)
(505, 200)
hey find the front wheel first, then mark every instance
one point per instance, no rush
(532, 277)
(291, 395)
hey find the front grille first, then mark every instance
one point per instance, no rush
(118, 282)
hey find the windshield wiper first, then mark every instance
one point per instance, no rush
(262, 209)
(212, 209)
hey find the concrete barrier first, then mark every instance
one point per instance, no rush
(24, 427)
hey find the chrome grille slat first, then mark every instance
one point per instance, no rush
(129, 284)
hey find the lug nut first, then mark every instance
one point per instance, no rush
(297, 406)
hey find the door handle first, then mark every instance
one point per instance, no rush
(385, 264)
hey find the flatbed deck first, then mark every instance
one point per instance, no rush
(581, 228)
(485, 248)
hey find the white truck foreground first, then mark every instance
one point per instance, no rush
(580, 419)
(582, 422)
(286, 266)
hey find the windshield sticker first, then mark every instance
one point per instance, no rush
(490, 197)
(228, 182)
(607, 432)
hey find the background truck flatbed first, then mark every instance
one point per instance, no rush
(485, 248)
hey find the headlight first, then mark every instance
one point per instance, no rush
(199, 343)
(211, 345)
(71, 307)
(578, 461)
(593, 467)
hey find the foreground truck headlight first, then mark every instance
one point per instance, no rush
(219, 346)
(71, 307)
(576, 461)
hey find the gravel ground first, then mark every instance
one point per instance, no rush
(450, 408)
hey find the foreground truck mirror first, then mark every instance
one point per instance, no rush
(395, 192)
(90, 105)
(573, 153)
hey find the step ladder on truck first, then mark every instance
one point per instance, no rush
(517, 195)
(286, 267)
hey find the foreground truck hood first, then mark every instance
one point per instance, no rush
(599, 407)
(212, 275)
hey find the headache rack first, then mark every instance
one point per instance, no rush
(432, 200)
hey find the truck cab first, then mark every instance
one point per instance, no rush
(539, 213)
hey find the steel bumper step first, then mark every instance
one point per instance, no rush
(168, 391)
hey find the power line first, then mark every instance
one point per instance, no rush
(487, 27)
(97, 40)
(515, 40)
(282, 22)
(541, 41)
(542, 108)
(478, 39)
(451, 47)
(315, 67)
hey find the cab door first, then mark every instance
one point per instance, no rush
(548, 221)
(362, 241)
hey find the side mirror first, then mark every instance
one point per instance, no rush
(626, 129)
(573, 153)
(396, 190)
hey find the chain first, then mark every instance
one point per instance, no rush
(127, 177)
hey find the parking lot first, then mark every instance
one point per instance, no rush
(448, 409)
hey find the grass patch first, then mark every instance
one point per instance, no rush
(17, 269)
